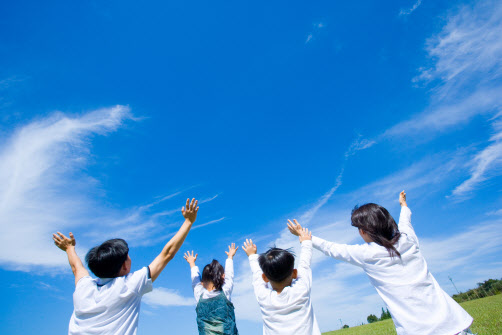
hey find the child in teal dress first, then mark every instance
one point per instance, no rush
(215, 311)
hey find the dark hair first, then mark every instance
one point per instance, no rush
(277, 264)
(377, 222)
(105, 260)
(213, 273)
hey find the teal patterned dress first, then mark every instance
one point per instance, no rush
(215, 316)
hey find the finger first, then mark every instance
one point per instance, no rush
(195, 258)
(237, 248)
(183, 210)
(197, 209)
(195, 205)
(227, 253)
(61, 235)
(191, 204)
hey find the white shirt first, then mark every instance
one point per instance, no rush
(227, 287)
(109, 306)
(415, 300)
(289, 312)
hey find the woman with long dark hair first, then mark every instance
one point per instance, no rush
(394, 263)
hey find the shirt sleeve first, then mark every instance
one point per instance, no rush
(304, 269)
(404, 224)
(353, 254)
(258, 284)
(196, 284)
(228, 286)
(140, 281)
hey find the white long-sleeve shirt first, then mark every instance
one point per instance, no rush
(227, 287)
(415, 300)
(289, 312)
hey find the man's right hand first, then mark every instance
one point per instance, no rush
(402, 199)
(63, 242)
(249, 247)
(190, 211)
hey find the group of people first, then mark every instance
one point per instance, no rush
(390, 256)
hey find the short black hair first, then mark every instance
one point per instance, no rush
(105, 260)
(213, 273)
(277, 264)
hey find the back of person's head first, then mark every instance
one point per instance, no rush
(105, 260)
(277, 264)
(213, 273)
(377, 222)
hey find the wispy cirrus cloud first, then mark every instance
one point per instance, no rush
(45, 188)
(316, 28)
(466, 79)
(411, 9)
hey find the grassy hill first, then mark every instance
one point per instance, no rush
(487, 314)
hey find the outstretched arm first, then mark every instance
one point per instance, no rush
(353, 254)
(250, 249)
(194, 274)
(68, 245)
(228, 286)
(172, 247)
(304, 269)
(404, 224)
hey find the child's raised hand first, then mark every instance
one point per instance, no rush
(402, 199)
(305, 235)
(295, 228)
(190, 258)
(190, 211)
(231, 251)
(249, 247)
(63, 242)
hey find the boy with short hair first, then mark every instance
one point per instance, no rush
(111, 303)
(283, 292)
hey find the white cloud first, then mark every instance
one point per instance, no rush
(165, 297)
(486, 163)
(45, 189)
(410, 10)
(466, 72)
(317, 26)
(37, 168)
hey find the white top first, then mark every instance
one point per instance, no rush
(227, 287)
(289, 312)
(109, 306)
(415, 300)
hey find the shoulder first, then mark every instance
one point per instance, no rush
(85, 283)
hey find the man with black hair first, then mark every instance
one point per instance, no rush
(282, 291)
(110, 304)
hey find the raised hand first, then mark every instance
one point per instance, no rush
(190, 211)
(249, 247)
(305, 235)
(190, 258)
(231, 251)
(63, 242)
(295, 228)
(402, 199)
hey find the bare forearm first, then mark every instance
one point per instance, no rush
(73, 259)
(172, 247)
(169, 250)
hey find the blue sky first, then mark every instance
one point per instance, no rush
(113, 113)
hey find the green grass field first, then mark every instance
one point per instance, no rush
(487, 314)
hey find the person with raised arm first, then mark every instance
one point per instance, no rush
(282, 291)
(213, 294)
(393, 261)
(110, 304)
